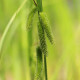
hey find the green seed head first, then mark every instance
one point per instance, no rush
(31, 18)
(45, 23)
(42, 39)
(39, 64)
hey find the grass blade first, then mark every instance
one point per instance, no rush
(9, 24)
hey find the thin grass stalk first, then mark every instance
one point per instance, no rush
(45, 67)
(9, 25)
(40, 9)
(30, 48)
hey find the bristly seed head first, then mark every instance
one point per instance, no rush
(42, 39)
(47, 28)
(31, 18)
(39, 64)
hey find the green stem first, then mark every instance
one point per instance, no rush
(30, 58)
(35, 3)
(45, 67)
(40, 9)
(39, 5)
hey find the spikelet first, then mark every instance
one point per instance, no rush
(39, 64)
(45, 23)
(42, 39)
(30, 18)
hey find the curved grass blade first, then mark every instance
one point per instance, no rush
(7, 29)
(9, 24)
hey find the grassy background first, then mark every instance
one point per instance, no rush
(19, 45)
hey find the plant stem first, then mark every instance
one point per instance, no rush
(45, 67)
(30, 56)
(35, 3)
(8, 27)
(39, 5)
(40, 9)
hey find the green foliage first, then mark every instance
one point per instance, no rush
(45, 23)
(39, 5)
(9, 26)
(31, 18)
(39, 64)
(63, 59)
(42, 39)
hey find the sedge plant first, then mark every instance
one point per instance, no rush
(39, 64)
(43, 27)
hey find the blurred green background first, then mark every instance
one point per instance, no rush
(18, 45)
